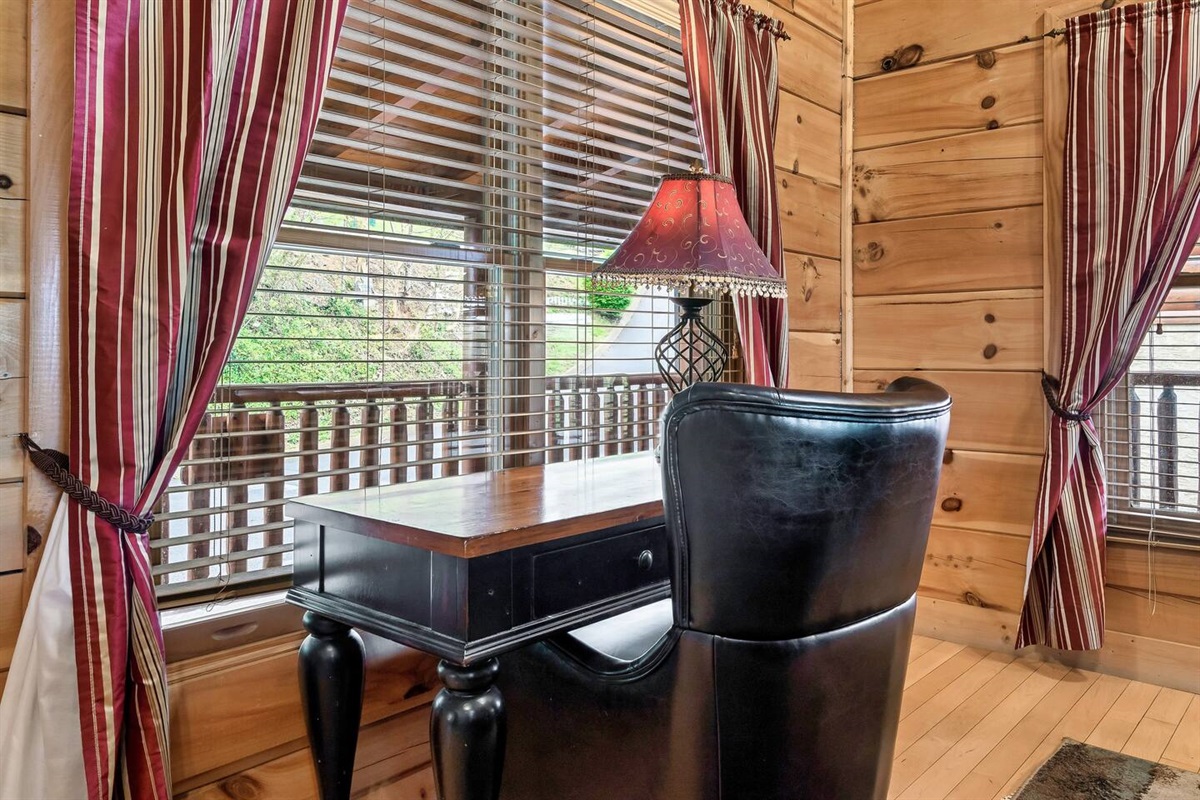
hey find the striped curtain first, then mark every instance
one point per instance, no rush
(191, 124)
(1131, 215)
(731, 60)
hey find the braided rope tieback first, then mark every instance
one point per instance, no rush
(1050, 387)
(54, 465)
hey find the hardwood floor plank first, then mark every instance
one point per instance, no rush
(1119, 723)
(923, 718)
(923, 690)
(930, 661)
(925, 751)
(921, 645)
(1184, 748)
(1078, 724)
(1152, 735)
(958, 762)
(1001, 763)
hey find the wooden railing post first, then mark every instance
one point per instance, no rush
(1168, 447)
(203, 450)
(450, 443)
(368, 454)
(239, 446)
(339, 444)
(310, 442)
(424, 440)
(271, 469)
(399, 442)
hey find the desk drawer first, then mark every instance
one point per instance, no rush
(577, 575)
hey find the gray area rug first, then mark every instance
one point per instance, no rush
(1079, 771)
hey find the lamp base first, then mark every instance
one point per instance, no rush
(690, 352)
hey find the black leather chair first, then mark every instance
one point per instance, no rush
(798, 522)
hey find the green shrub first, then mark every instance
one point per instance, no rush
(608, 300)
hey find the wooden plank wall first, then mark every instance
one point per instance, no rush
(14, 212)
(947, 281)
(808, 175)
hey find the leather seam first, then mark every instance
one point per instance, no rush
(637, 669)
(815, 634)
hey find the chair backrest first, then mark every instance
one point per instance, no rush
(794, 512)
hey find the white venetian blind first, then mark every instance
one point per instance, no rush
(426, 311)
(1151, 423)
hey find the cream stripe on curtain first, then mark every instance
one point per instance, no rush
(730, 55)
(1131, 216)
(191, 124)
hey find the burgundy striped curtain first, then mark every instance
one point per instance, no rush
(731, 60)
(1131, 216)
(192, 120)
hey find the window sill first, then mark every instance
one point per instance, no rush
(204, 628)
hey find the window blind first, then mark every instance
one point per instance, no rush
(426, 309)
(1151, 424)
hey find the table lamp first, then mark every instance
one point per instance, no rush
(693, 239)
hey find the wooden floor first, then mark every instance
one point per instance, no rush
(975, 724)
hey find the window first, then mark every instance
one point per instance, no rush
(426, 311)
(1151, 423)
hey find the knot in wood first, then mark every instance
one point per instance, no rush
(903, 58)
(952, 504)
(990, 351)
(986, 59)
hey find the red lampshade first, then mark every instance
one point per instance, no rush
(693, 237)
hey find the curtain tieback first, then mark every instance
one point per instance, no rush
(53, 465)
(1050, 387)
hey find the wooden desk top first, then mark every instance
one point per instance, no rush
(489, 512)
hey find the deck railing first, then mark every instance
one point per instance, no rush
(1151, 428)
(221, 523)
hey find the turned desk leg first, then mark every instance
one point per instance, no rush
(467, 732)
(331, 688)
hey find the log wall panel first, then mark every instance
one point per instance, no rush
(814, 293)
(12, 247)
(10, 615)
(240, 703)
(12, 422)
(810, 63)
(969, 94)
(14, 34)
(815, 361)
(12, 533)
(915, 32)
(12, 155)
(993, 492)
(1158, 615)
(993, 331)
(808, 139)
(825, 15)
(1170, 571)
(993, 411)
(810, 215)
(999, 249)
(972, 172)
(1129, 655)
(388, 748)
(945, 222)
(974, 567)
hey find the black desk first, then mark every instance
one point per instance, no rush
(465, 568)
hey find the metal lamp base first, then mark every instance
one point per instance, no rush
(690, 352)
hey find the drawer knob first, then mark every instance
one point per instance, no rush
(645, 560)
